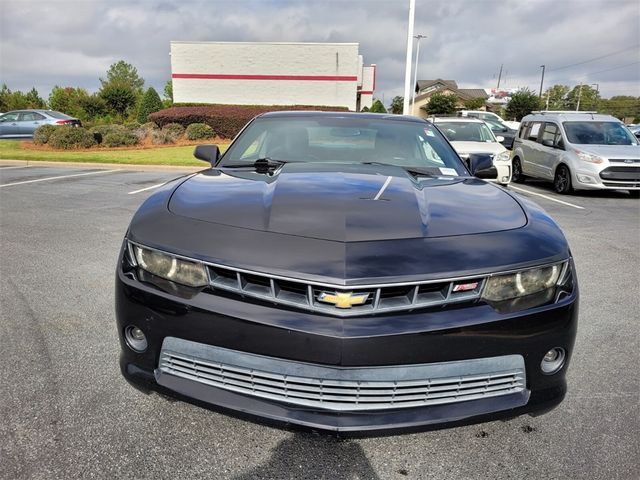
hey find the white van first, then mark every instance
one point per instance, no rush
(482, 115)
(577, 151)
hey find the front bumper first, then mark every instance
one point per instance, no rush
(612, 176)
(410, 338)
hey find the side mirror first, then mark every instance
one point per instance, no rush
(500, 138)
(548, 143)
(481, 165)
(208, 153)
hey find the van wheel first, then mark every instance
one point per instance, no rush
(517, 175)
(562, 180)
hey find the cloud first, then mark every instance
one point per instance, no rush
(44, 43)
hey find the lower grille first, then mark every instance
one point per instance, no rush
(629, 174)
(343, 389)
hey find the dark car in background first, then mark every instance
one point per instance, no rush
(23, 123)
(346, 272)
(499, 129)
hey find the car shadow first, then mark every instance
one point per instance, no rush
(305, 455)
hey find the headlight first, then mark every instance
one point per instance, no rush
(502, 157)
(169, 267)
(520, 284)
(588, 157)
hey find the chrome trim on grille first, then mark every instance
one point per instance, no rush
(342, 388)
(281, 290)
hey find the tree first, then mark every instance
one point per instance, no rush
(377, 107)
(622, 107)
(441, 104)
(397, 105)
(150, 103)
(168, 90)
(68, 100)
(118, 98)
(93, 106)
(34, 99)
(557, 97)
(123, 74)
(588, 98)
(474, 103)
(522, 103)
(5, 98)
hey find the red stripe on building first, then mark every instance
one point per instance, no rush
(367, 92)
(220, 76)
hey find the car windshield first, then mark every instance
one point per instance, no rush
(466, 131)
(58, 115)
(328, 139)
(598, 133)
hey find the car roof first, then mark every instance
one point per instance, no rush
(570, 116)
(457, 120)
(37, 110)
(316, 114)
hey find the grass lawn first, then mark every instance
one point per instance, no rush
(182, 156)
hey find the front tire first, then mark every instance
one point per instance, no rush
(562, 180)
(517, 175)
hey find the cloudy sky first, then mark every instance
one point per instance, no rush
(73, 42)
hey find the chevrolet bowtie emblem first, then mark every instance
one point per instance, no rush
(343, 299)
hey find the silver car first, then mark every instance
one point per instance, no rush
(22, 123)
(577, 151)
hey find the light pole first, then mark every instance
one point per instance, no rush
(541, 80)
(597, 94)
(415, 74)
(407, 70)
(579, 95)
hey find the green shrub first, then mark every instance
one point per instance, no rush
(162, 137)
(99, 132)
(120, 139)
(149, 126)
(198, 131)
(174, 129)
(67, 138)
(132, 125)
(150, 103)
(42, 134)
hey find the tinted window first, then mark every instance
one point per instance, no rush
(345, 140)
(466, 132)
(598, 133)
(550, 132)
(58, 115)
(30, 117)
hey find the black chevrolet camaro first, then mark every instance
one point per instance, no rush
(346, 272)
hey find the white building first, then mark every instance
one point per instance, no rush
(258, 73)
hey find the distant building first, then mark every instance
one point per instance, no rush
(426, 88)
(259, 73)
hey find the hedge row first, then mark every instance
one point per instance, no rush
(225, 120)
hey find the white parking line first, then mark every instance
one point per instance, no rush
(58, 177)
(547, 197)
(147, 188)
(18, 166)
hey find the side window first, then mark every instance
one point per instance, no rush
(27, 117)
(524, 127)
(532, 133)
(550, 133)
(9, 117)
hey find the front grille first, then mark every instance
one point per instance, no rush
(624, 160)
(622, 174)
(308, 296)
(342, 389)
(622, 185)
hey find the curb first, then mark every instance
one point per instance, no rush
(112, 166)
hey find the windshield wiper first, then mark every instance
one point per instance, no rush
(415, 171)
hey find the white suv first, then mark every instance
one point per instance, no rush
(577, 151)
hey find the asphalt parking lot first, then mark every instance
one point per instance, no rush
(67, 413)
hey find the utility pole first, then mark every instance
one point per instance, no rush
(499, 77)
(415, 75)
(597, 94)
(407, 70)
(541, 80)
(579, 95)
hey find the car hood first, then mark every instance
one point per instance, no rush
(612, 151)
(478, 147)
(347, 203)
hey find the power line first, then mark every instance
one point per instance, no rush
(594, 59)
(609, 69)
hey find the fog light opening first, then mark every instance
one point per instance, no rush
(135, 338)
(553, 361)
(505, 179)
